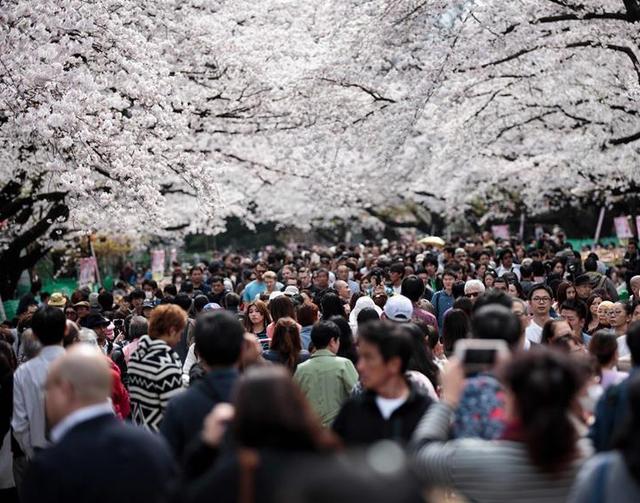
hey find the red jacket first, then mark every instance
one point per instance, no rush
(119, 394)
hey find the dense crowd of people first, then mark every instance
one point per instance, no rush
(331, 374)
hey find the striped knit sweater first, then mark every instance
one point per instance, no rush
(485, 470)
(155, 376)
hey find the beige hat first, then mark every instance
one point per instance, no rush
(57, 300)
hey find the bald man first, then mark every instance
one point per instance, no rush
(95, 456)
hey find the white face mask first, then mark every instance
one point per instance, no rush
(148, 294)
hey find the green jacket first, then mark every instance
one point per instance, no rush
(327, 381)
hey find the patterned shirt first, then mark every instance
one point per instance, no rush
(481, 411)
(155, 376)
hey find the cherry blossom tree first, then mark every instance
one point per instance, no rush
(161, 118)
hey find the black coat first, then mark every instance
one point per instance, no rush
(360, 421)
(185, 414)
(101, 460)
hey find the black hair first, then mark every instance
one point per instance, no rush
(367, 314)
(347, 347)
(390, 342)
(496, 322)
(430, 259)
(186, 287)
(578, 306)
(540, 286)
(183, 300)
(456, 326)
(170, 289)
(150, 282)
(219, 337)
(217, 279)
(603, 346)
(48, 325)
(105, 299)
(232, 301)
(590, 264)
(322, 333)
(493, 297)
(457, 290)
(331, 305)
(465, 304)
(199, 302)
(136, 294)
(449, 272)
(526, 271)
(397, 267)
(538, 268)
(633, 342)
(421, 357)
(412, 287)
(545, 383)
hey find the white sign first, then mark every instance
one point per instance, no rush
(623, 229)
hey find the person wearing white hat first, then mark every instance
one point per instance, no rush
(291, 290)
(398, 309)
(361, 303)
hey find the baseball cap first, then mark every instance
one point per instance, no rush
(57, 300)
(291, 290)
(398, 308)
(275, 294)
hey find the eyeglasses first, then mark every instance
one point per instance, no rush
(473, 294)
(541, 299)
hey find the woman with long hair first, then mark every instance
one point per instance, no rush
(331, 305)
(592, 322)
(539, 453)
(615, 475)
(286, 347)
(256, 320)
(280, 307)
(272, 427)
(603, 346)
(456, 326)
(422, 369)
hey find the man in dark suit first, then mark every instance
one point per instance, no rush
(95, 456)
(219, 338)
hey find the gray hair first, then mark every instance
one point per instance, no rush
(30, 346)
(88, 336)
(138, 327)
(474, 282)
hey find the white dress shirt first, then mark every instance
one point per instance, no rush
(79, 416)
(28, 421)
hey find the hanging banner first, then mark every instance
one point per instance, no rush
(500, 231)
(623, 229)
(173, 257)
(88, 268)
(157, 264)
